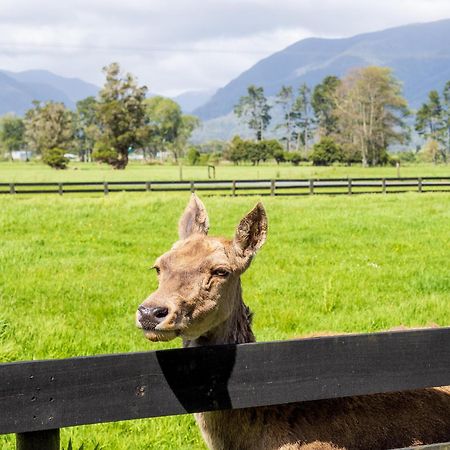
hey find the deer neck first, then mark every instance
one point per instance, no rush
(235, 330)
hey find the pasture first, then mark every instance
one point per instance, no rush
(37, 172)
(75, 269)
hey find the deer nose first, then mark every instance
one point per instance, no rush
(150, 317)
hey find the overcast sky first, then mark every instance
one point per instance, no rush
(178, 45)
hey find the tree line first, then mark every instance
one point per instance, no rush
(105, 129)
(353, 119)
(346, 120)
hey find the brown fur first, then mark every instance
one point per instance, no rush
(200, 289)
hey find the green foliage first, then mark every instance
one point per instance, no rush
(55, 158)
(370, 112)
(324, 104)
(407, 156)
(12, 133)
(102, 152)
(121, 114)
(295, 158)
(326, 152)
(285, 99)
(193, 156)
(254, 108)
(431, 152)
(169, 128)
(87, 128)
(303, 118)
(48, 126)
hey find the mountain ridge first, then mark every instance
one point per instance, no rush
(417, 54)
(19, 89)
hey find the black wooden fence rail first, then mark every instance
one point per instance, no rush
(37, 398)
(234, 187)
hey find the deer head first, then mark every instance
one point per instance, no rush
(199, 276)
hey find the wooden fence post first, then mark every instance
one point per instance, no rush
(383, 184)
(272, 187)
(12, 188)
(105, 188)
(349, 184)
(233, 188)
(38, 440)
(192, 187)
(419, 184)
(148, 186)
(60, 188)
(311, 187)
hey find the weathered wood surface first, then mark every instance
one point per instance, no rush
(40, 395)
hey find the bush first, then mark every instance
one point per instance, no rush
(407, 156)
(193, 156)
(326, 152)
(104, 153)
(295, 158)
(55, 158)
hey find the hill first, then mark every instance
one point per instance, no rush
(19, 89)
(417, 53)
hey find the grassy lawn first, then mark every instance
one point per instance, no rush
(36, 172)
(74, 270)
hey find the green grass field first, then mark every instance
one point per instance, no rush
(37, 172)
(74, 269)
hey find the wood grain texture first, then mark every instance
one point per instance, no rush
(40, 395)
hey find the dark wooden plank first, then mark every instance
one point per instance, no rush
(40, 395)
(442, 446)
(38, 440)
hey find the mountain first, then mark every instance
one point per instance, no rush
(19, 89)
(190, 100)
(418, 55)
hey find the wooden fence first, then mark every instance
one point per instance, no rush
(332, 186)
(37, 398)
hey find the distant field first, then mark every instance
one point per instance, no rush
(36, 172)
(73, 271)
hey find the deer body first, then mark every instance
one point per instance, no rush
(200, 299)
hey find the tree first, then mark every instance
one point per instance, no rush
(254, 108)
(446, 119)
(86, 129)
(326, 152)
(370, 111)
(49, 126)
(323, 103)
(121, 114)
(303, 117)
(429, 117)
(285, 98)
(169, 128)
(236, 151)
(188, 125)
(55, 158)
(193, 156)
(12, 133)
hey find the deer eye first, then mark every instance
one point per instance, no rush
(221, 272)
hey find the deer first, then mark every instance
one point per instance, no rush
(199, 298)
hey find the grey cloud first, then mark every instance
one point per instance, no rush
(174, 45)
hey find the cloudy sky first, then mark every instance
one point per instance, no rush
(178, 45)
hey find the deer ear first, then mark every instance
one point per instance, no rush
(194, 219)
(251, 232)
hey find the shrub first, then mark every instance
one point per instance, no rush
(326, 152)
(295, 158)
(104, 153)
(193, 156)
(55, 158)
